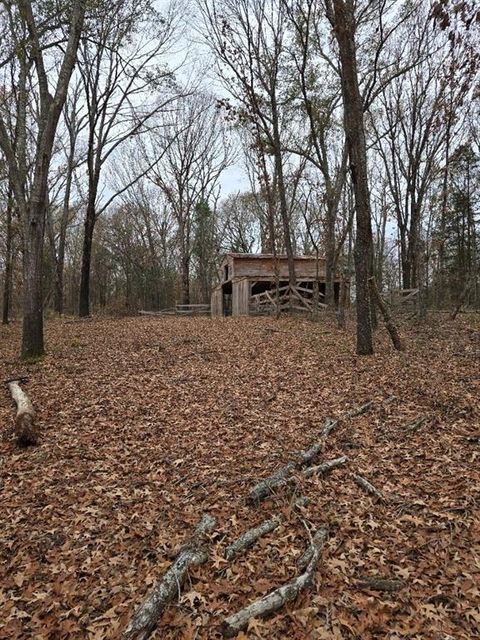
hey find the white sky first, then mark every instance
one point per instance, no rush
(197, 68)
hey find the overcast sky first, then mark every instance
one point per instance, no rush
(195, 65)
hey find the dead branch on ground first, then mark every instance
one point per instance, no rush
(387, 316)
(276, 599)
(148, 614)
(367, 486)
(251, 536)
(325, 467)
(379, 584)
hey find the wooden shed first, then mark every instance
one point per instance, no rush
(248, 284)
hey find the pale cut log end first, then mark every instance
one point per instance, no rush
(25, 430)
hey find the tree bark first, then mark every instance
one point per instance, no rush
(249, 537)
(7, 284)
(342, 304)
(88, 229)
(341, 16)
(185, 275)
(387, 316)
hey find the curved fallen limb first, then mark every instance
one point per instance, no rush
(359, 411)
(274, 600)
(330, 423)
(318, 541)
(148, 614)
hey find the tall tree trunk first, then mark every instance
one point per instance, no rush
(342, 19)
(32, 330)
(185, 277)
(58, 287)
(285, 217)
(60, 255)
(7, 284)
(89, 226)
(330, 255)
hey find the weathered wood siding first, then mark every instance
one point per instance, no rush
(240, 297)
(265, 267)
(216, 303)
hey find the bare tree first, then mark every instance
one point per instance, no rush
(74, 122)
(320, 97)
(29, 47)
(342, 18)
(120, 65)
(196, 153)
(248, 38)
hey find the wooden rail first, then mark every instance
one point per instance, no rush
(180, 309)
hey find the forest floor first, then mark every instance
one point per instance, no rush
(147, 423)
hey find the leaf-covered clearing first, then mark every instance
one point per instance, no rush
(146, 424)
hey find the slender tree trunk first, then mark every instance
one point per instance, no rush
(89, 226)
(342, 304)
(58, 287)
(330, 256)
(185, 275)
(405, 264)
(292, 280)
(32, 331)
(7, 284)
(342, 19)
(60, 257)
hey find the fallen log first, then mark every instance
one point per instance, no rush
(325, 467)
(367, 486)
(274, 600)
(379, 584)
(264, 488)
(251, 536)
(148, 614)
(318, 540)
(25, 429)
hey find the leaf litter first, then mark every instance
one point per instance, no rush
(146, 424)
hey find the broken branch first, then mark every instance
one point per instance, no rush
(317, 541)
(168, 587)
(360, 410)
(325, 467)
(367, 487)
(265, 487)
(379, 584)
(415, 426)
(274, 600)
(386, 314)
(251, 536)
(330, 423)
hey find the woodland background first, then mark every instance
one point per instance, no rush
(169, 99)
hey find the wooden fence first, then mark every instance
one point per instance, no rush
(288, 298)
